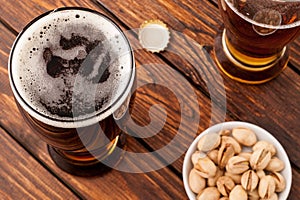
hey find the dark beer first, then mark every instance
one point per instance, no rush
(253, 46)
(72, 71)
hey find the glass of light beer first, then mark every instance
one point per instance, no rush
(253, 48)
(72, 73)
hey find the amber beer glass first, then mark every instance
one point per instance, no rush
(72, 73)
(253, 46)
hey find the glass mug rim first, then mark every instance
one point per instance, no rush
(251, 21)
(73, 123)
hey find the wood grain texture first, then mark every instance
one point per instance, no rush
(154, 94)
(294, 59)
(266, 107)
(294, 193)
(126, 185)
(233, 100)
(114, 185)
(22, 177)
(271, 105)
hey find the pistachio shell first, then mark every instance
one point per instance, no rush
(265, 145)
(260, 159)
(237, 165)
(253, 195)
(225, 132)
(266, 186)
(235, 177)
(249, 180)
(212, 181)
(225, 185)
(209, 193)
(275, 165)
(209, 142)
(246, 155)
(224, 198)
(280, 182)
(196, 182)
(244, 136)
(238, 193)
(260, 173)
(196, 155)
(213, 155)
(230, 140)
(206, 168)
(274, 196)
(225, 152)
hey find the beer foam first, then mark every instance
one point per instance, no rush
(71, 65)
(286, 8)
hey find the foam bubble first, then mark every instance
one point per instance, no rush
(71, 58)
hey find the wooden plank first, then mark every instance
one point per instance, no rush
(294, 59)
(294, 193)
(147, 96)
(159, 176)
(21, 176)
(190, 71)
(125, 185)
(271, 105)
(117, 185)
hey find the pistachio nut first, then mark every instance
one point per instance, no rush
(238, 193)
(246, 155)
(266, 187)
(253, 195)
(224, 198)
(213, 155)
(209, 193)
(196, 155)
(235, 177)
(230, 140)
(196, 182)
(225, 132)
(260, 159)
(280, 182)
(212, 181)
(249, 180)
(206, 168)
(260, 173)
(265, 145)
(237, 165)
(274, 196)
(209, 142)
(275, 165)
(225, 152)
(225, 185)
(244, 136)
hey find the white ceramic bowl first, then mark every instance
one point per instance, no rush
(261, 135)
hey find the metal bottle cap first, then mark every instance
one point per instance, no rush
(154, 36)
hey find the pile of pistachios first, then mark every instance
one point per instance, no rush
(234, 165)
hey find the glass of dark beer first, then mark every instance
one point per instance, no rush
(253, 46)
(72, 73)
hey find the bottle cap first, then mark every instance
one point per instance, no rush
(154, 36)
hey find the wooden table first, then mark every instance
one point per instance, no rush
(26, 170)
